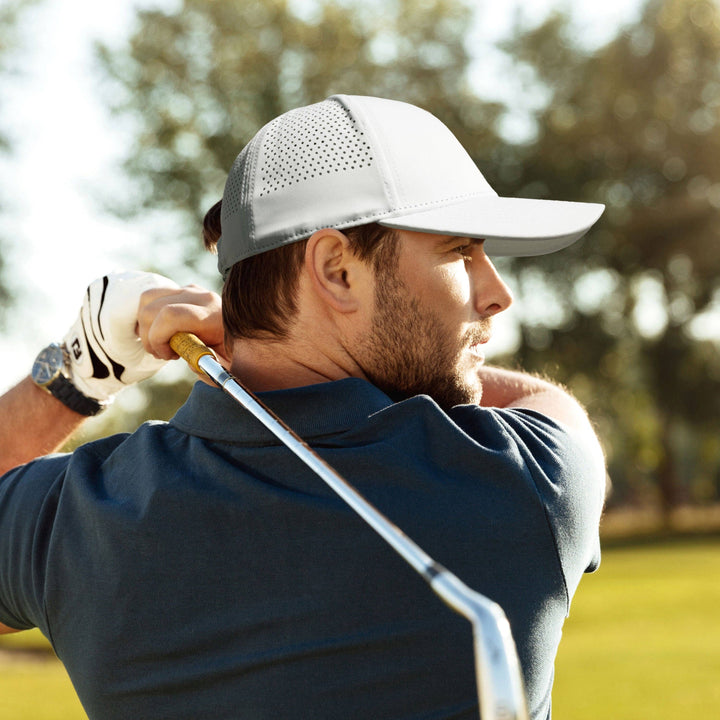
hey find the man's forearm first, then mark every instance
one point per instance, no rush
(502, 388)
(34, 424)
(509, 389)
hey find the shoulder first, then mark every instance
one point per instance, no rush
(549, 441)
(33, 481)
(566, 462)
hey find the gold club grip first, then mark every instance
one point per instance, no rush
(190, 348)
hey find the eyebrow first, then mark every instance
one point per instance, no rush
(447, 240)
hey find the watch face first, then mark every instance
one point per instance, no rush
(48, 365)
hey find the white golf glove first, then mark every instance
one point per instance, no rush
(105, 352)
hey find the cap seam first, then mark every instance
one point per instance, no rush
(445, 201)
(388, 176)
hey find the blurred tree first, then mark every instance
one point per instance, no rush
(10, 12)
(158, 398)
(201, 79)
(637, 126)
(634, 124)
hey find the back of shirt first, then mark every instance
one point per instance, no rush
(199, 570)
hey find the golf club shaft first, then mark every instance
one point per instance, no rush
(505, 703)
(201, 358)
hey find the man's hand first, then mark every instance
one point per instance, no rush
(163, 312)
(105, 352)
(126, 320)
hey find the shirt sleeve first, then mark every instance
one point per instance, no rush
(28, 501)
(569, 476)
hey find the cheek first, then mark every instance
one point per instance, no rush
(453, 284)
(436, 284)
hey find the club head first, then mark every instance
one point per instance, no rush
(497, 668)
(500, 686)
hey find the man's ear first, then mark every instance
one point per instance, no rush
(336, 274)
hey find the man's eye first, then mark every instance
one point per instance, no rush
(464, 250)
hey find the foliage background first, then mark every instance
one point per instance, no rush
(627, 318)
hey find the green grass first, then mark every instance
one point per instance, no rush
(642, 641)
(37, 691)
(35, 686)
(643, 637)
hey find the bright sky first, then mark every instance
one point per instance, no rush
(67, 147)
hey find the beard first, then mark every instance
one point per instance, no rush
(410, 351)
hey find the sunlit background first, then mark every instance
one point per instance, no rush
(67, 150)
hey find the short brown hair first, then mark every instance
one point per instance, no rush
(259, 298)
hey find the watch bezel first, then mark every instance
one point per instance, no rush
(48, 365)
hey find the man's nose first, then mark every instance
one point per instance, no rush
(491, 294)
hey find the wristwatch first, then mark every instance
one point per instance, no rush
(50, 372)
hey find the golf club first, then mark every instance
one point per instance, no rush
(501, 694)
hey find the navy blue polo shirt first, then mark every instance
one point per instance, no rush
(197, 569)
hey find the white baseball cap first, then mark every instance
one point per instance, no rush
(351, 160)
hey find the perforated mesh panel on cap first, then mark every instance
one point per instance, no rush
(311, 142)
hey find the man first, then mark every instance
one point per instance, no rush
(197, 569)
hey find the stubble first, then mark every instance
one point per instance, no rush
(410, 351)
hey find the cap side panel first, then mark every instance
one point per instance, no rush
(249, 219)
(237, 218)
(317, 168)
(426, 162)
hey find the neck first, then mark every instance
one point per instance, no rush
(264, 365)
(318, 347)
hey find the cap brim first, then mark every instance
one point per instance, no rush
(510, 226)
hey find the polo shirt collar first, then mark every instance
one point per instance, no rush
(311, 411)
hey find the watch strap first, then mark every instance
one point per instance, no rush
(63, 390)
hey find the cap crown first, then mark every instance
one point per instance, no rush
(346, 161)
